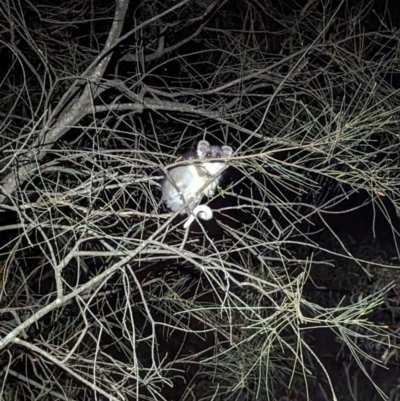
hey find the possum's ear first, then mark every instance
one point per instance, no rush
(226, 151)
(203, 148)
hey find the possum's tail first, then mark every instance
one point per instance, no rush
(202, 212)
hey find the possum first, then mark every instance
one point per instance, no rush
(195, 179)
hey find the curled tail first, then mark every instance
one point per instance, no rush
(202, 212)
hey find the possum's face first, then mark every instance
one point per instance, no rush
(205, 151)
(220, 152)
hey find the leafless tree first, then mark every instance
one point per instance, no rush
(103, 295)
